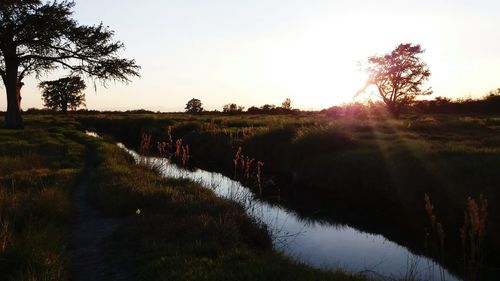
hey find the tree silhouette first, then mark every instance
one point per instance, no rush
(398, 76)
(63, 94)
(37, 37)
(287, 104)
(232, 108)
(194, 106)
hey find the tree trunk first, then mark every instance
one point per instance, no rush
(13, 119)
(19, 86)
(64, 107)
(393, 109)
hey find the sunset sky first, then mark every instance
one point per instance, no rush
(263, 51)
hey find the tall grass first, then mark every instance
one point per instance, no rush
(472, 234)
(435, 238)
(248, 169)
(368, 172)
(183, 231)
(38, 170)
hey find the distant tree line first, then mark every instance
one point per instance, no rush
(194, 106)
(232, 108)
(489, 104)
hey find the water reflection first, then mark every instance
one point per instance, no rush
(319, 244)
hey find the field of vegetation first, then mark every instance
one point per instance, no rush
(39, 167)
(420, 175)
(370, 172)
(166, 229)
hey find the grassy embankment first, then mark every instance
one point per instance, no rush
(371, 173)
(183, 231)
(39, 167)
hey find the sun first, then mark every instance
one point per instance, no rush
(315, 72)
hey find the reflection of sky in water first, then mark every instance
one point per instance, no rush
(318, 244)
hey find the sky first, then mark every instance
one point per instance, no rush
(255, 52)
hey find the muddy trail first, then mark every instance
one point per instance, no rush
(89, 258)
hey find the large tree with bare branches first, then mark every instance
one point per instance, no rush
(37, 37)
(399, 76)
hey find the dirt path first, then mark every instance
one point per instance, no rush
(89, 231)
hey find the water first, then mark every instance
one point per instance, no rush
(318, 244)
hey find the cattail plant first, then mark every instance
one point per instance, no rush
(248, 169)
(258, 175)
(178, 150)
(472, 235)
(185, 155)
(180, 153)
(249, 163)
(437, 234)
(4, 233)
(144, 148)
(162, 149)
(165, 147)
(236, 161)
(169, 135)
(145, 144)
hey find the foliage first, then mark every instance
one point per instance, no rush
(489, 104)
(287, 104)
(472, 234)
(314, 163)
(285, 108)
(183, 231)
(38, 170)
(63, 94)
(171, 229)
(232, 108)
(38, 37)
(398, 76)
(194, 106)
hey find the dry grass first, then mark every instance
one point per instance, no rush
(370, 173)
(38, 168)
(436, 235)
(472, 234)
(248, 170)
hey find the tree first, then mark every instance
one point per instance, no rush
(63, 93)
(232, 108)
(38, 37)
(398, 76)
(268, 107)
(287, 104)
(194, 106)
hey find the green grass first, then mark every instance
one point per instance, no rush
(38, 170)
(182, 232)
(371, 173)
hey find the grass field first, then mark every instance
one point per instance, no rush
(169, 229)
(39, 167)
(371, 173)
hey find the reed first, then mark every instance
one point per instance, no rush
(236, 161)
(166, 150)
(248, 169)
(472, 234)
(162, 149)
(4, 232)
(145, 144)
(185, 155)
(144, 149)
(436, 237)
